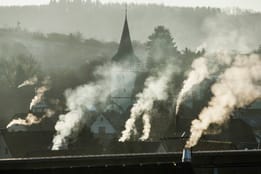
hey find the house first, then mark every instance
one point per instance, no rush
(102, 126)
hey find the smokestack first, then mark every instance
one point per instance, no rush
(186, 155)
(185, 166)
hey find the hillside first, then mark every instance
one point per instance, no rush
(190, 27)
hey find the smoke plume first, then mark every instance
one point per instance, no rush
(203, 68)
(28, 121)
(40, 91)
(237, 87)
(155, 89)
(80, 102)
(198, 74)
(29, 82)
(147, 126)
(31, 119)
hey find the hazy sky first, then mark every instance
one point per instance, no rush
(244, 4)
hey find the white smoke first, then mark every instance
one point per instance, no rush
(40, 91)
(203, 68)
(28, 121)
(147, 126)
(198, 74)
(155, 89)
(224, 34)
(237, 87)
(31, 119)
(29, 82)
(80, 102)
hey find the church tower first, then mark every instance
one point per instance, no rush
(125, 66)
(125, 50)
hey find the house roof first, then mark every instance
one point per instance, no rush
(177, 145)
(133, 147)
(38, 144)
(252, 117)
(236, 132)
(22, 143)
(116, 119)
(255, 105)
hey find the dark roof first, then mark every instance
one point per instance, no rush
(22, 143)
(116, 119)
(133, 147)
(125, 50)
(236, 131)
(177, 145)
(38, 144)
(252, 117)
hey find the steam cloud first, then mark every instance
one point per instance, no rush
(237, 87)
(29, 82)
(80, 102)
(155, 89)
(203, 68)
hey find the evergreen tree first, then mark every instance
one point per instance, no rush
(20, 75)
(160, 46)
(14, 71)
(188, 56)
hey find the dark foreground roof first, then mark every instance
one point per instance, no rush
(237, 161)
(22, 143)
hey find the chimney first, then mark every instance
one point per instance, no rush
(186, 155)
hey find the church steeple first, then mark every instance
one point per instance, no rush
(125, 48)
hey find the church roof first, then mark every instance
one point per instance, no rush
(125, 50)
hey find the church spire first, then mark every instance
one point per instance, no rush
(126, 11)
(125, 48)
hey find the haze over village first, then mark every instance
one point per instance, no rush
(85, 77)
